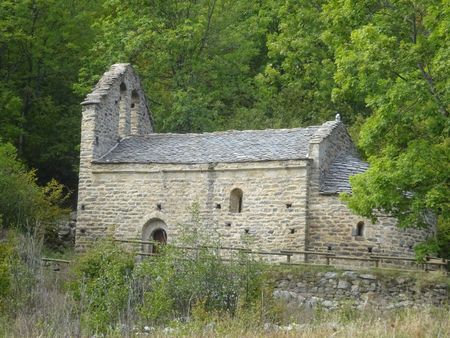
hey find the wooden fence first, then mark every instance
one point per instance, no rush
(329, 258)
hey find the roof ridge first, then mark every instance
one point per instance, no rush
(325, 130)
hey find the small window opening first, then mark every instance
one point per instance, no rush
(369, 249)
(123, 111)
(134, 112)
(159, 207)
(236, 200)
(218, 206)
(329, 248)
(83, 207)
(288, 205)
(292, 231)
(96, 140)
(134, 99)
(247, 231)
(360, 229)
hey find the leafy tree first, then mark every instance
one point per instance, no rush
(41, 44)
(394, 55)
(197, 59)
(295, 86)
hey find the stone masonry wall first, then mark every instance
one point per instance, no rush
(122, 198)
(330, 221)
(361, 290)
(104, 110)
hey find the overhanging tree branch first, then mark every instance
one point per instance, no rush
(432, 89)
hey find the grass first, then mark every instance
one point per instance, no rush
(43, 307)
(425, 322)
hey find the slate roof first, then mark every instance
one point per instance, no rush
(336, 179)
(229, 146)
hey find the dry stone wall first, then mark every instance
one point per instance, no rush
(335, 289)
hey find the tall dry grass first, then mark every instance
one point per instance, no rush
(41, 306)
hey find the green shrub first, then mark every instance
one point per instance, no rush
(177, 281)
(23, 203)
(101, 283)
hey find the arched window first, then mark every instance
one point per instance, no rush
(236, 200)
(135, 103)
(360, 229)
(124, 123)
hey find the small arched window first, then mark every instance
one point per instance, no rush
(135, 103)
(360, 229)
(236, 200)
(124, 122)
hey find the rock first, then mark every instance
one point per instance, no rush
(328, 303)
(330, 275)
(312, 301)
(281, 294)
(368, 276)
(355, 289)
(300, 299)
(350, 274)
(372, 287)
(400, 280)
(168, 330)
(149, 329)
(286, 328)
(342, 284)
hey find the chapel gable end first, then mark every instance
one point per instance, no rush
(329, 142)
(115, 109)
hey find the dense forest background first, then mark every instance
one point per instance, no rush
(237, 64)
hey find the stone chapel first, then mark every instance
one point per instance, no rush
(278, 187)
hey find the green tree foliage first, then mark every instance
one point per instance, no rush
(394, 55)
(197, 59)
(41, 45)
(295, 86)
(23, 203)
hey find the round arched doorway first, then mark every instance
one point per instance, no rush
(154, 230)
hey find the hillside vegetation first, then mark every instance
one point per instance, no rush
(105, 292)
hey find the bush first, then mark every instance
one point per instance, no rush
(23, 202)
(101, 283)
(177, 281)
